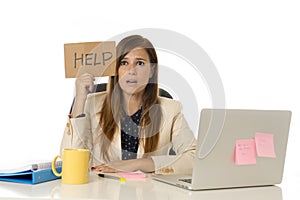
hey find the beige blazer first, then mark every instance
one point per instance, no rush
(175, 133)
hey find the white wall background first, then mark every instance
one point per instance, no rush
(255, 46)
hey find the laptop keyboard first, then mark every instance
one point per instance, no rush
(187, 180)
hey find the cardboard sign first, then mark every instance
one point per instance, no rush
(96, 58)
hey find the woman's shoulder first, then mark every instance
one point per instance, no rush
(96, 98)
(169, 103)
(97, 95)
(168, 100)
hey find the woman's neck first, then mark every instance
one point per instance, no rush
(132, 103)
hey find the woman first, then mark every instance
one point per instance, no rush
(129, 127)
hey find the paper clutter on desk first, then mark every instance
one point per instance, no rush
(137, 175)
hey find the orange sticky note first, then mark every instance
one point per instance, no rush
(265, 145)
(245, 152)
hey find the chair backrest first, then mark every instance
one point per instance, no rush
(102, 87)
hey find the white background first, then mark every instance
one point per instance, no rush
(255, 46)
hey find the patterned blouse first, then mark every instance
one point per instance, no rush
(129, 135)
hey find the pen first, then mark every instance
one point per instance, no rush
(122, 180)
(109, 176)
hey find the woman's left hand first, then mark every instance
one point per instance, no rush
(111, 167)
(143, 164)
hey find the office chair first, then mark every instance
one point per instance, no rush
(102, 87)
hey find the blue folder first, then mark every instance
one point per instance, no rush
(30, 176)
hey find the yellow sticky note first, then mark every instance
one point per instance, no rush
(265, 145)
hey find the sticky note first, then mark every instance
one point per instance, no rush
(265, 145)
(244, 153)
(138, 175)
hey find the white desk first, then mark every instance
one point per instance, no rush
(104, 188)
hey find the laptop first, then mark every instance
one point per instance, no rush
(236, 148)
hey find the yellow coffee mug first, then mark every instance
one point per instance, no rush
(75, 166)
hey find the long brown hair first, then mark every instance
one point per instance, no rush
(111, 111)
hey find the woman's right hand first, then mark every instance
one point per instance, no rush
(84, 85)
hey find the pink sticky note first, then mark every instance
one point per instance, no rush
(138, 175)
(265, 145)
(245, 152)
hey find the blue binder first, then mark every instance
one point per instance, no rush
(30, 176)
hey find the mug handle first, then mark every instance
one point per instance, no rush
(54, 167)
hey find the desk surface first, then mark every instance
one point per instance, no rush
(104, 188)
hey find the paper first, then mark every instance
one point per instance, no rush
(29, 166)
(265, 145)
(96, 58)
(245, 152)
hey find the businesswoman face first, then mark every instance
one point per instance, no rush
(134, 72)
